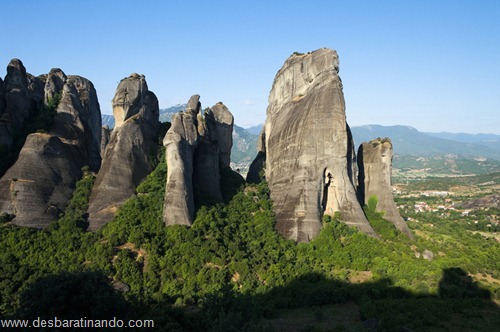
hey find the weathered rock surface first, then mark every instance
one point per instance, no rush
(207, 157)
(375, 167)
(105, 136)
(54, 84)
(224, 122)
(197, 148)
(17, 95)
(180, 143)
(5, 136)
(126, 162)
(37, 188)
(2, 98)
(91, 115)
(258, 164)
(308, 149)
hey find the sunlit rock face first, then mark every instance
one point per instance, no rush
(128, 155)
(38, 187)
(375, 167)
(308, 149)
(198, 147)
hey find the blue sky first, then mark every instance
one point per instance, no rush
(434, 65)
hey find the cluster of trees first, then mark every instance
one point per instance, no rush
(235, 270)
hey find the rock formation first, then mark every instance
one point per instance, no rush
(127, 160)
(37, 188)
(5, 137)
(105, 136)
(308, 149)
(17, 95)
(375, 167)
(224, 122)
(180, 143)
(197, 148)
(258, 164)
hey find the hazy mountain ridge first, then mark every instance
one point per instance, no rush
(409, 141)
(489, 140)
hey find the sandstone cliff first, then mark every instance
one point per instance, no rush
(127, 158)
(308, 148)
(375, 167)
(198, 147)
(37, 188)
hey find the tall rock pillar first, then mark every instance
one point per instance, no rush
(375, 167)
(126, 161)
(308, 149)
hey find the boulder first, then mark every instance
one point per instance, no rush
(375, 168)
(308, 150)
(127, 158)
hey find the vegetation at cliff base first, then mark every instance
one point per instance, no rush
(232, 271)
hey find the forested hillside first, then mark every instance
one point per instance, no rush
(232, 271)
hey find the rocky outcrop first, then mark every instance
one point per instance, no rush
(198, 147)
(489, 201)
(53, 85)
(308, 149)
(37, 188)
(127, 160)
(375, 167)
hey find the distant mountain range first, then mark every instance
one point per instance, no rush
(409, 141)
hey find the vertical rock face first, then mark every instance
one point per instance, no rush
(37, 188)
(126, 162)
(375, 166)
(17, 95)
(105, 136)
(88, 99)
(224, 122)
(2, 98)
(258, 164)
(5, 137)
(308, 149)
(207, 157)
(180, 143)
(197, 148)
